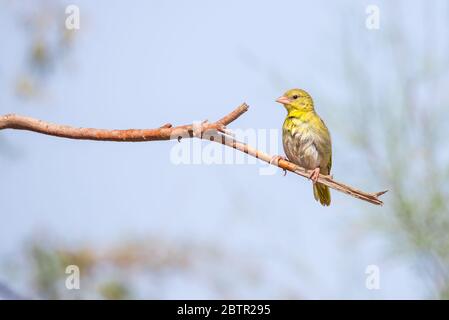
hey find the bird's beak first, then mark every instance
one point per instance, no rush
(283, 100)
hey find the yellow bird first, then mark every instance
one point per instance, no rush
(306, 139)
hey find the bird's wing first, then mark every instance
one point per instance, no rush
(326, 146)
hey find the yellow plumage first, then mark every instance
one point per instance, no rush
(306, 139)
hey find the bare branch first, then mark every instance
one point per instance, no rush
(215, 131)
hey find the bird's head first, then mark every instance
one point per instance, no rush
(296, 99)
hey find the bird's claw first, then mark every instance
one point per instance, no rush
(314, 175)
(275, 160)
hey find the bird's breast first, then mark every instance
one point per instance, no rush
(301, 145)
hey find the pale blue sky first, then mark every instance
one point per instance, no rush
(141, 64)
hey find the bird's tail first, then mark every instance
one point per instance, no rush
(322, 194)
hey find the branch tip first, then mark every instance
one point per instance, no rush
(380, 193)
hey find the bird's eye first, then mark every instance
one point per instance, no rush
(295, 97)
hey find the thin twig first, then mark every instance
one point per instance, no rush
(215, 131)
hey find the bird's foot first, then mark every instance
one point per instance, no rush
(314, 175)
(276, 159)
